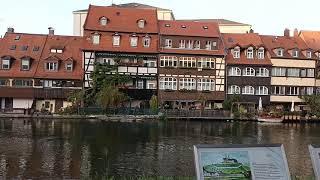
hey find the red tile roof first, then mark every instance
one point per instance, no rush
(189, 28)
(312, 39)
(30, 40)
(71, 50)
(121, 19)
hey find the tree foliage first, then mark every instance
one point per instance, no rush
(313, 101)
(154, 103)
(110, 97)
(227, 103)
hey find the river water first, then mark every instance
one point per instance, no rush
(80, 150)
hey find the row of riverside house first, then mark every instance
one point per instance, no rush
(184, 62)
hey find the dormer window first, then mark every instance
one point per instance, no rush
(261, 53)
(116, 40)
(250, 53)
(279, 52)
(134, 41)
(295, 53)
(197, 45)
(168, 43)
(236, 52)
(58, 51)
(146, 41)
(69, 66)
(141, 23)
(309, 54)
(24, 48)
(5, 63)
(52, 66)
(96, 38)
(17, 38)
(25, 64)
(208, 45)
(189, 44)
(182, 44)
(103, 21)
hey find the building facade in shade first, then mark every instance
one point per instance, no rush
(248, 68)
(37, 72)
(293, 69)
(128, 36)
(191, 65)
(79, 16)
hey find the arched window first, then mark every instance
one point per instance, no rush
(103, 21)
(248, 90)
(234, 71)
(236, 52)
(263, 72)
(250, 53)
(141, 23)
(262, 90)
(234, 89)
(261, 53)
(249, 71)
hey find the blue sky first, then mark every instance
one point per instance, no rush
(266, 16)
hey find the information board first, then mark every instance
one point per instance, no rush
(241, 162)
(315, 159)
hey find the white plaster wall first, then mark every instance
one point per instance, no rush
(291, 81)
(22, 103)
(285, 99)
(79, 19)
(293, 63)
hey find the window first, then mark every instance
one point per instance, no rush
(197, 45)
(36, 48)
(250, 53)
(47, 83)
(3, 82)
(187, 83)
(96, 38)
(187, 62)
(279, 52)
(116, 40)
(182, 44)
(141, 23)
(294, 91)
(189, 44)
(234, 89)
(59, 51)
(146, 41)
(249, 72)
(303, 73)
(263, 72)
(206, 63)
(236, 52)
(69, 66)
(279, 90)
(22, 83)
(151, 85)
(208, 45)
(134, 41)
(25, 64)
(24, 48)
(261, 53)
(262, 90)
(295, 53)
(309, 54)
(168, 43)
(310, 72)
(168, 83)
(103, 21)
(52, 66)
(206, 85)
(17, 38)
(139, 84)
(234, 71)
(248, 90)
(168, 61)
(278, 71)
(309, 91)
(293, 72)
(5, 63)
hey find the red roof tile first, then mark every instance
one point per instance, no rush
(312, 39)
(189, 28)
(121, 19)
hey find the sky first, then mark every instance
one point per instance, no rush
(266, 16)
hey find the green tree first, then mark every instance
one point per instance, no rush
(110, 97)
(313, 101)
(228, 102)
(154, 103)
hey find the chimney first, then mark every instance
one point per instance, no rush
(295, 32)
(51, 31)
(10, 30)
(251, 31)
(286, 32)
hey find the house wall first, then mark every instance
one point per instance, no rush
(22, 103)
(79, 19)
(234, 28)
(295, 63)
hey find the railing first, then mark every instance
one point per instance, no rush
(116, 111)
(172, 113)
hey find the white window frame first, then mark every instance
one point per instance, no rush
(146, 41)
(27, 64)
(189, 44)
(234, 89)
(279, 52)
(206, 85)
(309, 54)
(168, 43)
(182, 44)
(236, 52)
(262, 72)
(208, 45)
(187, 62)
(103, 21)
(295, 53)
(116, 40)
(279, 72)
(234, 71)
(187, 84)
(250, 52)
(248, 90)
(294, 91)
(197, 44)
(69, 66)
(134, 41)
(279, 90)
(95, 39)
(168, 61)
(262, 91)
(293, 72)
(309, 91)
(52, 66)
(5, 64)
(310, 73)
(207, 63)
(261, 53)
(249, 71)
(141, 23)
(168, 83)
